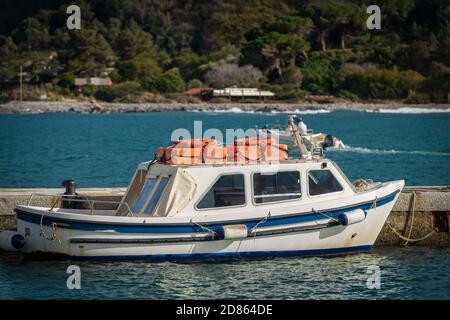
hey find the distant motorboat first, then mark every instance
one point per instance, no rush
(312, 140)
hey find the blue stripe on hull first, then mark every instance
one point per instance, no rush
(214, 256)
(186, 228)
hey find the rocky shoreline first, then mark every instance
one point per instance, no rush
(34, 107)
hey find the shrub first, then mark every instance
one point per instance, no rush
(291, 95)
(118, 91)
(169, 82)
(320, 74)
(382, 83)
(228, 74)
(348, 95)
(195, 83)
(88, 90)
(67, 80)
(142, 69)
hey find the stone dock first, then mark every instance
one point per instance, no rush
(417, 212)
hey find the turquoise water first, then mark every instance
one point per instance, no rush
(405, 273)
(103, 151)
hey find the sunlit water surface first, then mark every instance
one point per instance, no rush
(405, 273)
(103, 151)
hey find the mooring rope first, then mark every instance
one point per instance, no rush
(54, 225)
(213, 233)
(362, 185)
(408, 238)
(257, 225)
(413, 210)
(330, 217)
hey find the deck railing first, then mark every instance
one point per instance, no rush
(73, 198)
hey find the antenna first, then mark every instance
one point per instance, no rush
(296, 136)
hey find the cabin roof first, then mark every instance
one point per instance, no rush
(144, 165)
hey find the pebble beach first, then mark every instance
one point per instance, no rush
(35, 107)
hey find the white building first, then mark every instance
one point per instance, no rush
(242, 93)
(93, 81)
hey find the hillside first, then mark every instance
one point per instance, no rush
(153, 50)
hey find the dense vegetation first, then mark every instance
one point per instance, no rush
(153, 49)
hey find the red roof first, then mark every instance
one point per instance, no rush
(196, 91)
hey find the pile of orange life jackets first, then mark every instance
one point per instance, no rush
(195, 151)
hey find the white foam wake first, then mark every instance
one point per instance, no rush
(232, 110)
(239, 110)
(384, 151)
(297, 111)
(407, 110)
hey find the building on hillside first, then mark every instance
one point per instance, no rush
(96, 82)
(243, 93)
(203, 93)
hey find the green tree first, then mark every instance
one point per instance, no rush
(273, 52)
(7, 47)
(344, 18)
(32, 35)
(226, 21)
(320, 73)
(86, 52)
(67, 80)
(143, 69)
(132, 43)
(169, 82)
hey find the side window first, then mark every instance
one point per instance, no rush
(276, 187)
(322, 181)
(227, 191)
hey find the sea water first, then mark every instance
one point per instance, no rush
(103, 151)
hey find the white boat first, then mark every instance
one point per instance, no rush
(215, 211)
(312, 140)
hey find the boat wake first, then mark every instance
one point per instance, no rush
(385, 151)
(310, 111)
(272, 112)
(411, 110)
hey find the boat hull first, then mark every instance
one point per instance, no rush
(296, 235)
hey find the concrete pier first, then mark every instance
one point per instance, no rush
(417, 212)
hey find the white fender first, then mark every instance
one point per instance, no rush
(238, 231)
(352, 217)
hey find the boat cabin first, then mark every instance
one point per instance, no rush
(163, 190)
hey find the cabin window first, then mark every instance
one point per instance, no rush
(156, 195)
(226, 192)
(322, 181)
(270, 187)
(145, 193)
(150, 195)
